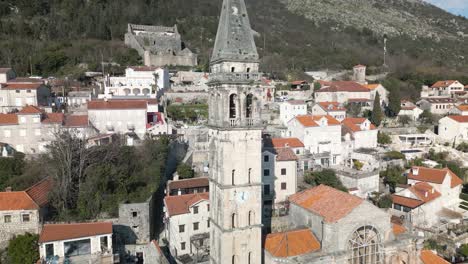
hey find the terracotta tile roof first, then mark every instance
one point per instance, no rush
(463, 107)
(117, 104)
(40, 191)
(26, 80)
(429, 257)
(30, 109)
(312, 120)
(299, 82)
(354, 124)
(8, 119)
(16, 201)
(285, 154)
(359, 66)
(409, 108)
(424, 191)
(21, 86)
(189, 183)
(327, 202)
(53, 118)
(342, 86)
(372, 86)
(291, 243)
(441, 84)
(332, 106)
(459, 119)
(359, 100)
(76, 121)
(405, 201)
(296, 102)
(144, 68)
(58, 232)
(180, 204)
(436, 176)
(4, 70)
(398, 229)
(284, 142)
(440, 100)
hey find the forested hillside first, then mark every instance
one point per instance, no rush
(65, 37)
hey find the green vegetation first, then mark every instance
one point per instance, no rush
(404, 120)
(327, 177)
(431, 244)
(353, 110)
(358, 164)
(393, 176)
(185, 171)
(442, 159)
(377, 115)
(464, 250)
(187, 112)
(426, 117)
(23, 249)
(463, 147)
(11, 168)
(380, 200)
(383, 138)
(394, 155)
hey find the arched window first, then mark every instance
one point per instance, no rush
(233, 220)
(250, 258)
(365, 246)
(233, 106)
(251, 217)
(232, 177)
(249, 101)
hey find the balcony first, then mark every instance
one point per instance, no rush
(235, 77)
(236, 122)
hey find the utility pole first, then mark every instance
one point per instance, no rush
(30, 65)
(385, 51)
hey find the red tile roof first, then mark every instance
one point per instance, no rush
(354, 124)
(312, 120)
(299, 82)
(359, 66)
(296, 102)
(332, 106)
(463, 107)
(372, 86)
(58, 232)
(76, 121)
(117, 104)
(424, 191)
(53, 118)
(359, 100)
(30, 109)
(285, 154)
(398, 229)
(8, 119)
(459, 119)
(342, 86)
(181, 204)
(429, 257)
(436, 176)
(327, 202)
(405, 201)
(21, 86)
(10, 201)
(291, 243)
(40, 191)
(189, 183)
(441, 84)
(144, 68)
(286, 142)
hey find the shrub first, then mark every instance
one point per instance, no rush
(394, 155)
(23, 249)
(383, 138)
(185, 171)
(464, 250)
(358, 164)
(327, 177)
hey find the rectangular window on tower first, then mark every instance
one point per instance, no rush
(283, 171)
(181, 228)
(266, 172)
(195, 226)
(266, 158)
(266, 189)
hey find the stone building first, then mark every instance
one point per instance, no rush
(340, 228)
(235, 141)
(159, 46)
(291, 109)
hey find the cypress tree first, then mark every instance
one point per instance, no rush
(377, 115)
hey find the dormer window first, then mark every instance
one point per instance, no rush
(415, 171)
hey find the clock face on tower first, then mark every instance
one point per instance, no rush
(242, 197)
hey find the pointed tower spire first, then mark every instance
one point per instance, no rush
(234, 40)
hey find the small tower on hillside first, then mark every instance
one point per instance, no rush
(359, 74)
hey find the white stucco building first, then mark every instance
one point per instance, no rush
(291, 109)
(439, 106)
(87, 242)
(410, 109)
(380, 89)
(187, 224)
(138, 81)
(334, 109)
(453, 128)
(321, 136)
(344, 92)
(442, 89)
(460, 110)
(360, 131)
(431, 194)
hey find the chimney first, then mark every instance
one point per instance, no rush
(8, 189)
(432, 190)
(425, 194)
(415, 171)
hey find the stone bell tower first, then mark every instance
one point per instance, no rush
(235, 142)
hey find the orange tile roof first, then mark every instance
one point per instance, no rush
(21, 86)
(436, 176)
(10, 201)
(405, 201)
(286, 142)
(424, 191)
(189, 183)
(440, 84)
(76, 121)
(372, 86)
(311, 120)
(291, 243)
(285, 154)
(296, 102)
(398, 229)
(8, 119)
(58, 232)
(117, 104)
(327, 202)
(30, 109)
(459, 119)
(359, 66)
(299, 82)
(332, 106)
(354, 124)
(463, 107)
(342, 86)
(429, 257)
(40, 191)
(53, 118)
(180, 204)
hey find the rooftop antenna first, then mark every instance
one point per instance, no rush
(385, 51)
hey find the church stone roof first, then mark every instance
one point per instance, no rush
(234, 40)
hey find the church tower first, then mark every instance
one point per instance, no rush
(235, 142)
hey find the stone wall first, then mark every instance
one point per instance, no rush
(17, 226)
(187, 97)
(134, 223)
(150, 59)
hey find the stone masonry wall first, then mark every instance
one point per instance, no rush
(17, 226)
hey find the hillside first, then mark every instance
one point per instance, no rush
(293, 35)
